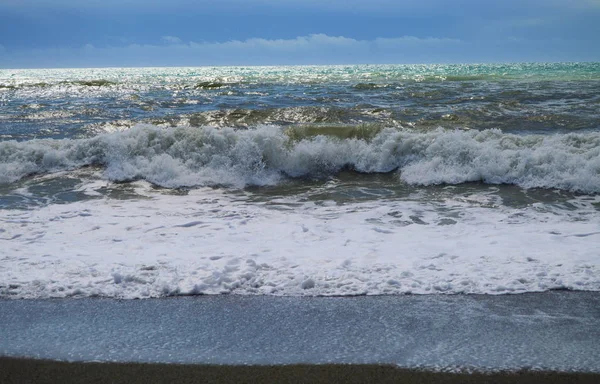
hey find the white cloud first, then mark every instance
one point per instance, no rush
(171, 40)
(312, 49)
(321, 44)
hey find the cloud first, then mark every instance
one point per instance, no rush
(312, 49)
(320, 44)
(302, 50)
(171, 40)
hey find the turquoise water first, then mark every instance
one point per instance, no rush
(66, 103)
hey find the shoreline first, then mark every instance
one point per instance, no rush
(24, 370)
(549, 337)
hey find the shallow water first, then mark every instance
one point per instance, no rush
(554, 331)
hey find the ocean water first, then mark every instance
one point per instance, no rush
(293, 181)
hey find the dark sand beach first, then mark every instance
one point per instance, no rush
(44, 371)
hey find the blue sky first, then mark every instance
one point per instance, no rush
(99, 33)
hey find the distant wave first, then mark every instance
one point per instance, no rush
(474, 114)
(186, 156)
(84, 83)
(360, 76)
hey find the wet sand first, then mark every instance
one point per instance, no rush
(13, 371)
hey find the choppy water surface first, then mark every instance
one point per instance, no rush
(511, 97)
(477, 167)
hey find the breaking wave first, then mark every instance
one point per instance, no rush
(187, 156)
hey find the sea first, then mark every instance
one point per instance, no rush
(300, 180)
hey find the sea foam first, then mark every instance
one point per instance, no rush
(210, 242)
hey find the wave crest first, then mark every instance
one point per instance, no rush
(186, 156)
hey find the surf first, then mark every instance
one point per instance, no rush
(266, 155)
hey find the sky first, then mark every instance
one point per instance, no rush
(124, 33)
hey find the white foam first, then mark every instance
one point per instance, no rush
(209, 242)
(184, 156)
